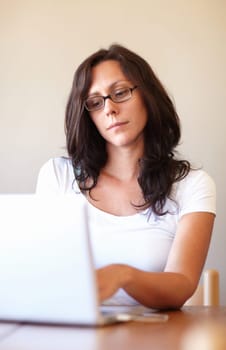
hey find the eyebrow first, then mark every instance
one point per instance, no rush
(96, 93)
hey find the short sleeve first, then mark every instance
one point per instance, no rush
(197, 193)
(56, 177)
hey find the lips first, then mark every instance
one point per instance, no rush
(115, 125)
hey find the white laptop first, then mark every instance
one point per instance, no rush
(46, 267)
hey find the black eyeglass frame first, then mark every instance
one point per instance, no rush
(104, 98)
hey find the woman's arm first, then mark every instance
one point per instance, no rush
(171, 288)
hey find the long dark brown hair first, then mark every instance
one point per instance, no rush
(159, 168)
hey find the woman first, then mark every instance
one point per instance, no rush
(151, 215)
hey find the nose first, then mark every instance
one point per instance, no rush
(110, 107)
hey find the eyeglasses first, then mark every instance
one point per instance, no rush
(118, 95)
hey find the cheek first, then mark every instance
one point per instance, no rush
(141, 115)
(140, 108)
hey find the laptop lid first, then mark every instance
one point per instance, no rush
(46, 271)
(46, 267)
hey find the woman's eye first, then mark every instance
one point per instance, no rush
(94, 103)
(121, 93)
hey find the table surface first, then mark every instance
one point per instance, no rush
(131, 335)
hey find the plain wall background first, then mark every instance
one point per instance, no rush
(41, 44)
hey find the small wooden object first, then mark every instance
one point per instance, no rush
(211, 288)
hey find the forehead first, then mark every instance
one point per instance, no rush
(105, 74)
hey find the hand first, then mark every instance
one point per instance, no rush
(110, 278)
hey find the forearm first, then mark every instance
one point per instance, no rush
(156, 290)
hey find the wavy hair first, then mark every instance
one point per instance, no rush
(159, 168)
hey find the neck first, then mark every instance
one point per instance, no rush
(123, 163)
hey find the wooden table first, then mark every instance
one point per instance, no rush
(131, 336)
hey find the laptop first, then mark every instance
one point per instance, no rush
(46, 268)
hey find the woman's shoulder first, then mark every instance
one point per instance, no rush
(56, 175)
(197, 177)
(58, 163)
(196, 192)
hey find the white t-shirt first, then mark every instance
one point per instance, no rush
(134, 240)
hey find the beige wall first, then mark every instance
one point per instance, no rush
(43, 41)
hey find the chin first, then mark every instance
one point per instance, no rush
(124, 141)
